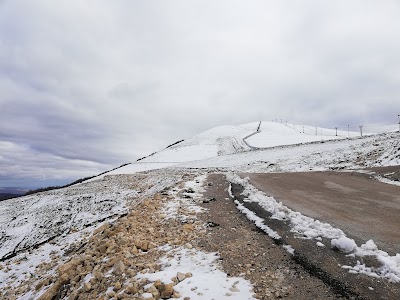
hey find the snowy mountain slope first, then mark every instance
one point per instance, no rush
(372, 151)
(222, 140)
(226, 140)
(275, 134)
(35, 219)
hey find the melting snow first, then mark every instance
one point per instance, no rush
(207, 281)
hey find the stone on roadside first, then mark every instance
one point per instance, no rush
(132, 289)
(180, 276)
(154, 291)
(51, 292)
(119, 268)
(117, 285)
(64, 278)
(167, 291)
(87, 286)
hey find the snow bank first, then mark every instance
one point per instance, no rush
(257, 221)
(386, 180)
(344, 244)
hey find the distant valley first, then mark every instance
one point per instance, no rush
(11, 192)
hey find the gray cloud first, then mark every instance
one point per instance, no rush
(90, 84)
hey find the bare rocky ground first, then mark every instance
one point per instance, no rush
(105, 265)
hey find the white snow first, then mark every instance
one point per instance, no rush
(289, 249)
(222, 140)
(175, 207)
(390, 268)
(373, 151)
(207, 281)
(344, 244)
(277, 134)
(135, 167)
(196, 185)
(259, 222)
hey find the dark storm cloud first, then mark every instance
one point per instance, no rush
(86, 85)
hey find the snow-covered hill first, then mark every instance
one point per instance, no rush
(276, 134)
(372, 151)
(221, 141)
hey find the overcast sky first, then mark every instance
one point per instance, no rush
(86, 85)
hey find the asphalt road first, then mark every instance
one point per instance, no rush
(362, 207)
